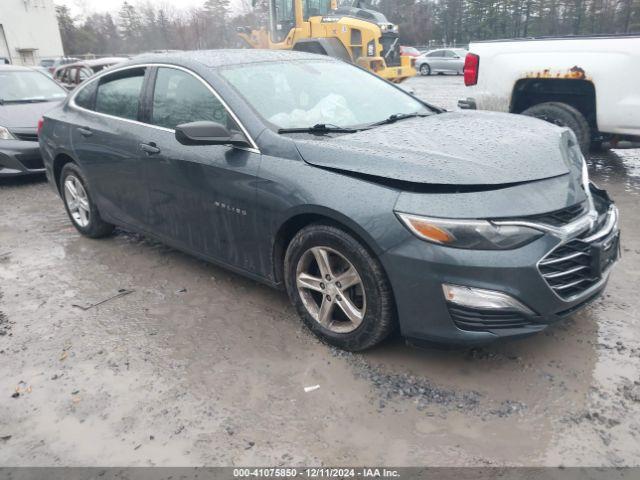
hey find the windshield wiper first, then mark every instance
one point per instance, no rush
(319, 128)
(398, 116)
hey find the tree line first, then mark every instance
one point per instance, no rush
(143, 27)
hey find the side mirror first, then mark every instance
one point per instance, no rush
(208, 133)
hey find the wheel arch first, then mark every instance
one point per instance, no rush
(299, 219)
(578, 93)
(59, 161)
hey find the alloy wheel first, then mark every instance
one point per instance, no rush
(77, 201)
(331, 289)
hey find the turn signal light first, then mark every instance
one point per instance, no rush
(431, 231)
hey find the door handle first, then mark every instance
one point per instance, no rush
(85, 132)
(150, 148)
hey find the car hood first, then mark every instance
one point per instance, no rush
(23, 115)
(453, 148)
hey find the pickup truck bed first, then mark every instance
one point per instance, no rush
(590, 84)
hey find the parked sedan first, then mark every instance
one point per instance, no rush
(74, 74)
(447, 60)
(25, 95)
(306, 173)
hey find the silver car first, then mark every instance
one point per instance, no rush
(444, 60)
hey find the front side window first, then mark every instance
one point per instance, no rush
(28, 86)
(302, 94)
(314, 8)
(179, 98)
(119, 93)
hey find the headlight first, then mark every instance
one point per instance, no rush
(6, 134)
(469, 234)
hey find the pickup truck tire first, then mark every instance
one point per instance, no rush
(564, 115)
(425, 70)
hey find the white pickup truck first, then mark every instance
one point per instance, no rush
(589, 84)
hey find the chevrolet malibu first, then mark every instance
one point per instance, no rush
(306, 173)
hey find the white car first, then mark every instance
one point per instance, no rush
(589, 84)
(443, 60)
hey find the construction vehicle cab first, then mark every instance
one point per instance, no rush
(349, 32)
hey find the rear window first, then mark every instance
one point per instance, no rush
(119, 94)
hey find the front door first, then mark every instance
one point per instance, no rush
(201, 197)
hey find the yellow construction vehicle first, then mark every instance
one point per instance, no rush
(359, 35)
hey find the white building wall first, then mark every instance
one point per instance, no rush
(30, 31)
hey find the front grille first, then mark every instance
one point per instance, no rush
(561, 217)
(391, 49)
(482, 320)
(27, 137)
(567, 269)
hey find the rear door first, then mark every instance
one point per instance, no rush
(435, 60)
(106, 141)
(201, 197)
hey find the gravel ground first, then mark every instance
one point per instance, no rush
(189, 364)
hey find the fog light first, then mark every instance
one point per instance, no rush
(482, 299)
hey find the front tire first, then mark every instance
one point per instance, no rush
(564, 115)
(425, 70)
(79, 204)
(339, 288)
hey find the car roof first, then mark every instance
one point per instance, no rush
(226, 57)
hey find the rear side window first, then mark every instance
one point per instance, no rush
(435, 54)
(119, 94)
(179, 98)
(84, 98)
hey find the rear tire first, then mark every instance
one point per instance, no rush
(565, 116)
(425, 70)
(369, 296)
(79, 203)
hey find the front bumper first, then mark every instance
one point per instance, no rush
(417, 271)
(19, 157)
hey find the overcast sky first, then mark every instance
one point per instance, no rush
(84, 7)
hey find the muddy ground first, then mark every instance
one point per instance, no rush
(199, 366)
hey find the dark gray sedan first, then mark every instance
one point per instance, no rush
(25, 95)
(306, 173)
